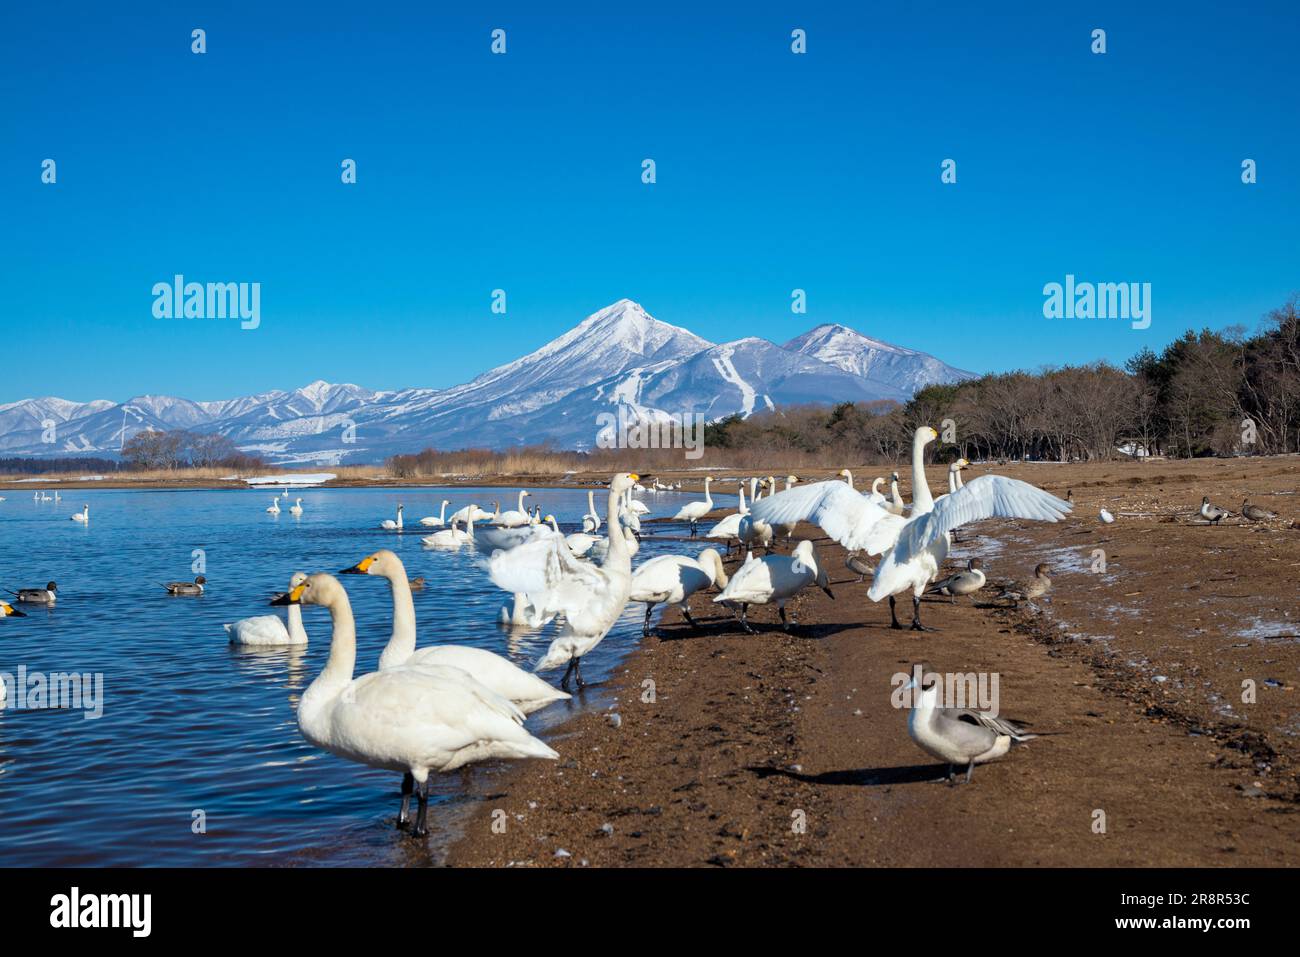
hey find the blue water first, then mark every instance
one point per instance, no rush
(196, 733)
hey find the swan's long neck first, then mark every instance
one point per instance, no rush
(521, 500)
(442, 516)
(743, 509)
(960, 483)
(618, 555)
(591, 504)
(707, 497)
(401, 645)
(715, 567)
(922, 501)
(952, 481)
(469, 525)
(338, 669)
(848, 477)
(296, 630)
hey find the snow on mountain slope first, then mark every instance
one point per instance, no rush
(617, 358)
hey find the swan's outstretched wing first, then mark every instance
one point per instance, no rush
(842, 513)
(548, 573)
(989, 496)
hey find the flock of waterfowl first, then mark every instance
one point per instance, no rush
(434, 709)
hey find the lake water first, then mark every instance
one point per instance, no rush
(195, 731)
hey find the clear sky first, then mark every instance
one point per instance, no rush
(523, 172)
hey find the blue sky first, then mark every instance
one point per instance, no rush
(523, 172)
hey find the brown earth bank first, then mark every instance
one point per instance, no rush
(780, 749)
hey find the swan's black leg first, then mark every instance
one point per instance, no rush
(785, 624)
(645, 628)
(952, 775)
(422, 815)
(686, 613)
(408, 785)
(916, 615)
(577, 673)
(744, 619)
(564, 682)
(893, 614)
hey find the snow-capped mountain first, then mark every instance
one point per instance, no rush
(617, 358)
(906, 369)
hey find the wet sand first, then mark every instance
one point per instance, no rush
(779, 749)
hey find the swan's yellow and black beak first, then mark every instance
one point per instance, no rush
(634, 477)
(291, 598)
(360, 568)
(9, 611)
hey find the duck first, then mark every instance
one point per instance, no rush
(958, 736)
(590, 597)
(694, 511)
(392, 525)
(296, 507)
(858, 565)
(38, 596)
(1029, 589)
(83, 516)
(1212, 513)
(967, 582)
(432, 522)
(186, 588)
(271, 630)
(409, 719)
(274, 507)
(912, 548)
(673, 579)
(774, 578)
(1254, 513)
(528, 692)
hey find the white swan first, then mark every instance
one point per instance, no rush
(753, 531)
(515, 516)
(673, 579)
(591, 521)
(786, 530)
(393, 526)
(589, 597)
(432, 522)
(463, 515)
(694, 511)
(83, 516)
(528, 692)
(453, 538)
(265, 630)
(729, 528)
(913, 548)
(296, 507)
(409, 719)
(274, 507)
(774, 578)
(600, 547)
(496, 537)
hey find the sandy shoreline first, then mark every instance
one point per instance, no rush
(783, 749)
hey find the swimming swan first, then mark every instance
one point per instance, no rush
(393, 526)
(528, 692)
(269, 630)
(437, 522)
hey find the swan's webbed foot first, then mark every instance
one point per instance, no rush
(645, 627)
(916, 616)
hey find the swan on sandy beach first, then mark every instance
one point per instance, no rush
(774, 578)
(406, 719)
(673, 579)
(589, 597)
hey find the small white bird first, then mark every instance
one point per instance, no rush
(1106, 517)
